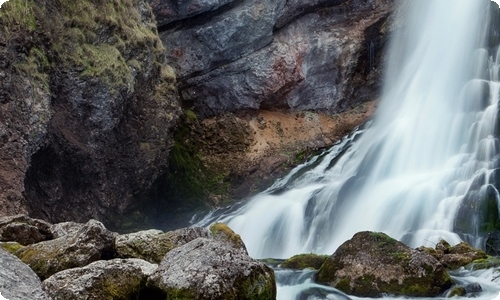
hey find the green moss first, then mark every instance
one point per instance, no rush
(17, 15)
(457, 291)
(221, 230)
(305, 261)
(484, 263)
(11, 247)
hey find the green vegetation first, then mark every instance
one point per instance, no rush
(222, 231)
(11, 247)
(305, 261)
(190, 183)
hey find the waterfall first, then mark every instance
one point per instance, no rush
(421, 171)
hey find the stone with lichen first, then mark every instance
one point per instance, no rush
(372, 264)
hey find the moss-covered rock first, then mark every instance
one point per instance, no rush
(460, 255)
(372, 264)
(484, 263)
(11, 247)
(91, 243)
(118, 279)
(152, 245)
(305, 261)
(222, 232)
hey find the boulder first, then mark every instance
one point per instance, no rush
(111, 279)
(213, 268)
(18, 281)
(91, 243)
(305, 261)
(454, 257)
(460, 255)
(24, 230)
(372, 264)
(152, 245)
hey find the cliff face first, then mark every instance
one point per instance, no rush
(260, 54)
(87, 108)
(89, 100)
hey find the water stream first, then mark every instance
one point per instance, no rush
(421, 171)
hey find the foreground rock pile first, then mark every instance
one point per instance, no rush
(87, 261)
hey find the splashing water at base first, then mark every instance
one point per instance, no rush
(422, 171)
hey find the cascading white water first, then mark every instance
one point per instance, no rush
(429, 152)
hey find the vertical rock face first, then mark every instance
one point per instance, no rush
(274, 54)
(87, 108)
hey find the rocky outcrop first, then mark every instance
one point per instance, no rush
(372, 264)
(233, 55)
(110, 279)
(18, 281)
(91, 243)
(152, 245)
(213, 269)
(87, 109)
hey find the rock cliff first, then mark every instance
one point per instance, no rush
(87, 108)
(89, 98)
(233, 55)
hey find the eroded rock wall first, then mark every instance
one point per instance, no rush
(87, 108)
(251, 54)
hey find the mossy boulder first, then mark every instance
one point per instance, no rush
(461, 255)
(484, 263)
(91, 243)
(152, 245)
(305, 261)
(454, 257)
(217, 267)
(372, 264)
(118, 279)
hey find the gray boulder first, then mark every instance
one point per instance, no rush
(24, 230)
(91, 243)
(152, 245)
(372, 264)
(111, 279)
(213, 269)
(18, 281)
